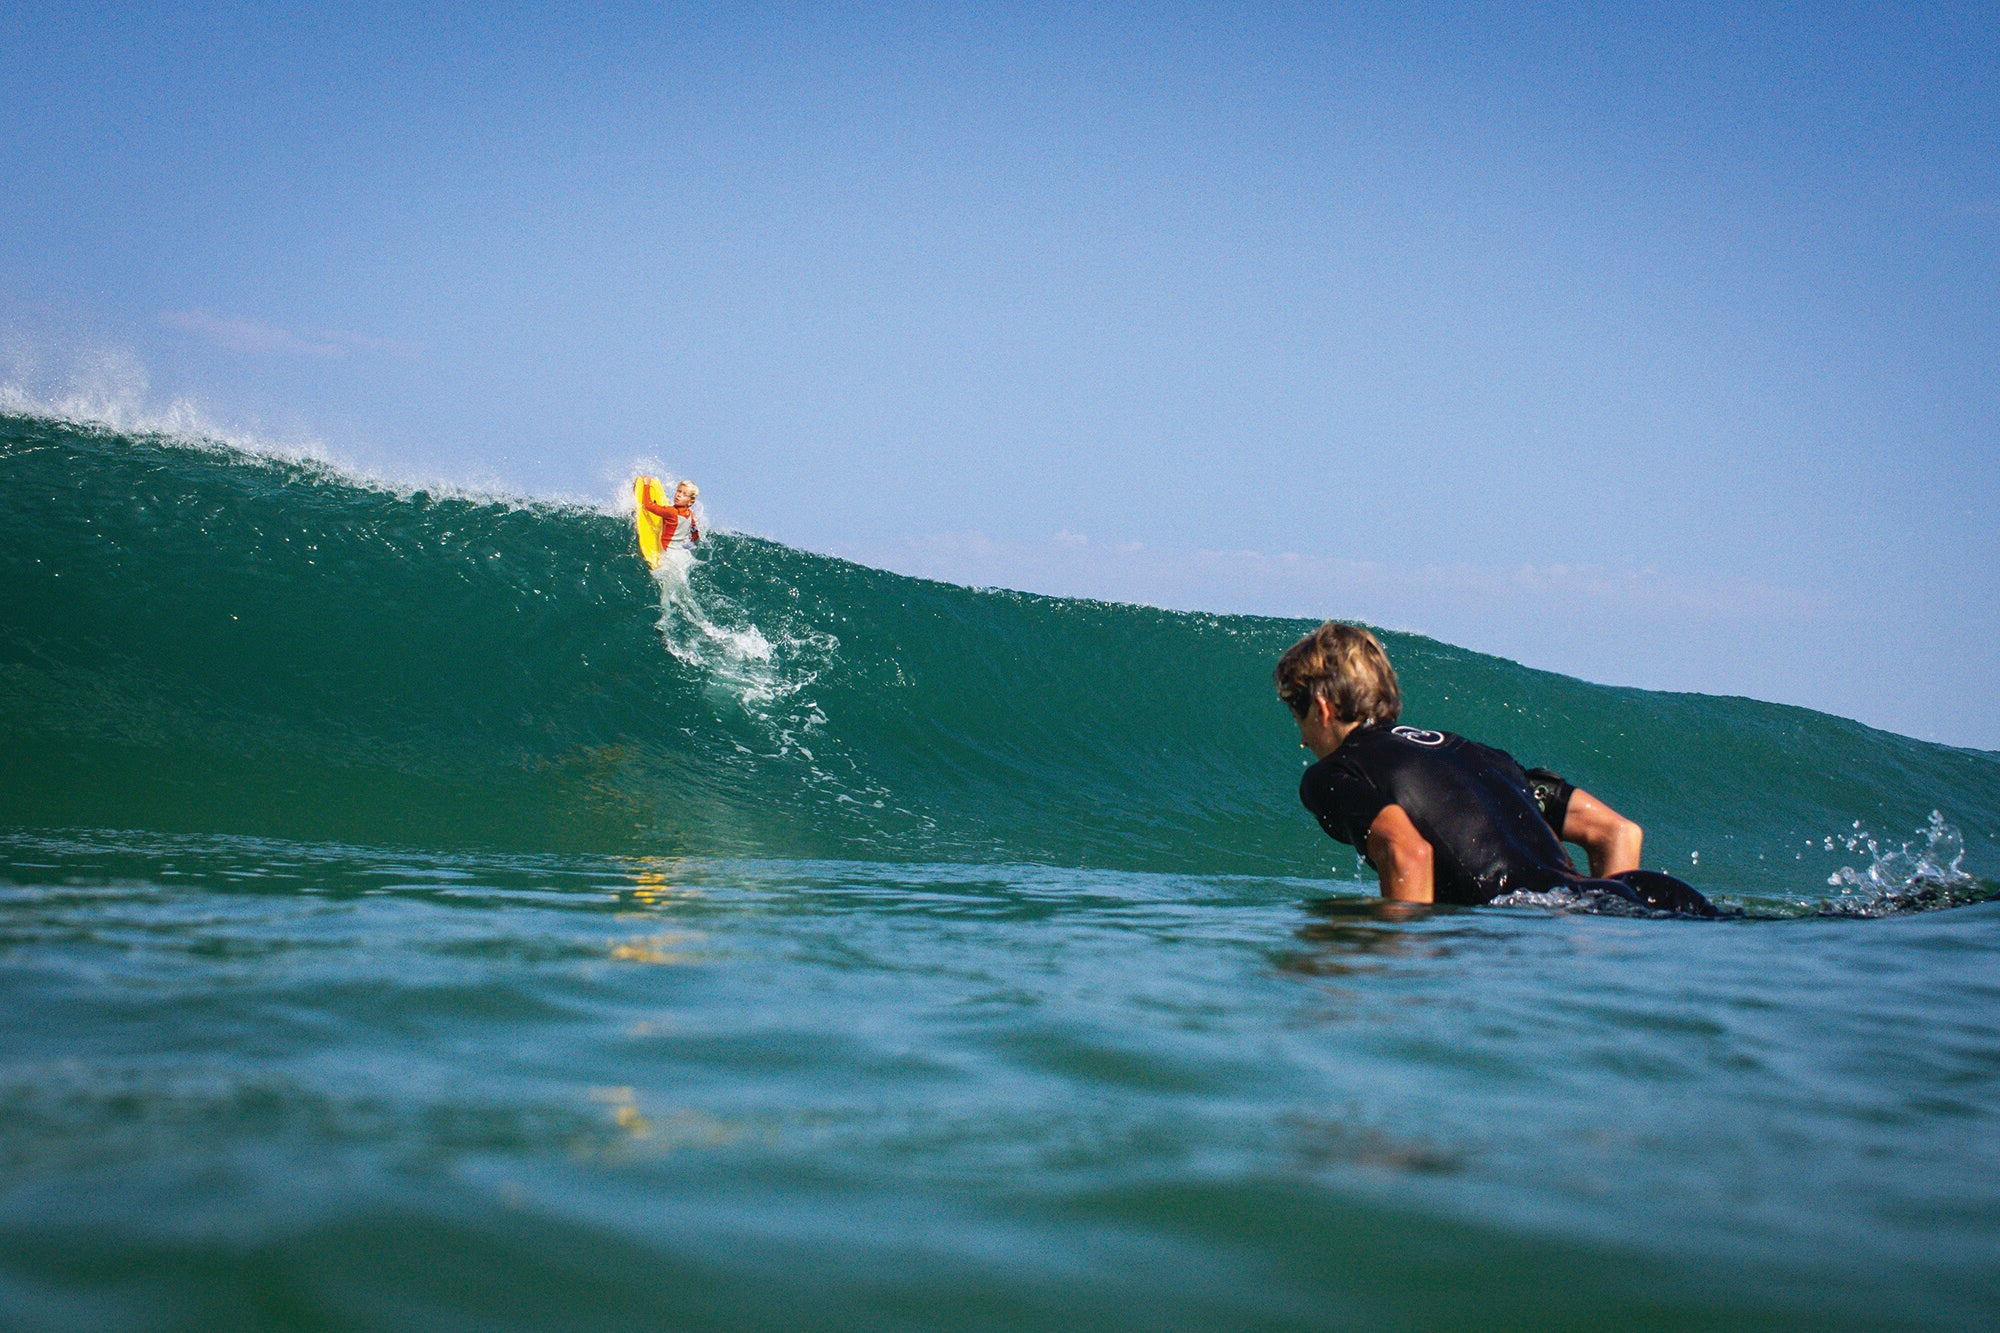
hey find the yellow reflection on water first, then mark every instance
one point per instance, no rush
(663, 949)
(655, 887)
(682, 1127)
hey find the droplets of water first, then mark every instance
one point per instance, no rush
(1928, 872)
(1595, 902)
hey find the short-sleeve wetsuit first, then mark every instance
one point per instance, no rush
(1492, 825)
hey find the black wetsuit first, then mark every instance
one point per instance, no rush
(1492, 825)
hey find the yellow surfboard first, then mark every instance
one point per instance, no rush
(644, 489)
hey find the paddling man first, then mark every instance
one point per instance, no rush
(1441, 818)
(677, 525)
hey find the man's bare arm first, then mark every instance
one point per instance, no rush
(1401, 856)
(1610, 840)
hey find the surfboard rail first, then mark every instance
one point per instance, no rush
(645, 489)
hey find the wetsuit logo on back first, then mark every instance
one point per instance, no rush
(1418, 736)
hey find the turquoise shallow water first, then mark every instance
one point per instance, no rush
(414, 916)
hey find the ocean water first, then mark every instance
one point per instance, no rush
(413, 914)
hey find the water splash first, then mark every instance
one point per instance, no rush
(1590, 901)
(1594, 902)
(1918, 876)
(1904, 877)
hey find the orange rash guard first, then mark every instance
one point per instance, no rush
(670, 521)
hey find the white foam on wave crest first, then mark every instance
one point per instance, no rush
(109, 389)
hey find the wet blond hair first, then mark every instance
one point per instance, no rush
(1344, 665)
(694, 491)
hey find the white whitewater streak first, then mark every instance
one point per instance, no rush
(710, 633)
(738, 652)
(768, 676)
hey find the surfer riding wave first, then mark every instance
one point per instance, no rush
(678, 529)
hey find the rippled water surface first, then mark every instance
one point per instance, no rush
(246, 1082)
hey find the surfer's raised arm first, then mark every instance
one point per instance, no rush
(1442, 818)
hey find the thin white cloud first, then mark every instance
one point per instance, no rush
(255, 338)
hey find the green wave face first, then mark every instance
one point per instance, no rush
(197, 639)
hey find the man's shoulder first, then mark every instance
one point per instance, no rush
(1320, 772)
(1342, 795)
(1407, 744)
(1398, 739)
(1424, 738)
(1342, 768)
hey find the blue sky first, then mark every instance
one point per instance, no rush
(1656, 345)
